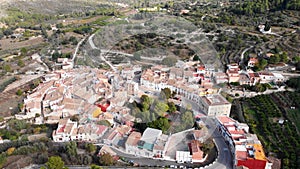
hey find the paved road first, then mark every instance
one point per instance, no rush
(224, 160)
(197, 110)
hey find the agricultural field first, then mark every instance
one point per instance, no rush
(275, 119)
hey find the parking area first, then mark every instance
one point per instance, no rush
(179, 142)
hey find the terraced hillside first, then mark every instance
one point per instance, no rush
(275, 119)
(166, 35)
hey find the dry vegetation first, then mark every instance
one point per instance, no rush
(9, 43)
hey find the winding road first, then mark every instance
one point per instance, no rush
(224, 159)
(243, 53)
(76, 50)
(91, 42)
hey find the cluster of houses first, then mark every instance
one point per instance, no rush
(235, 74)
(245, 147)
(97, 97)
(69, 130)
(152, 143)
(193, 83)
(86, 93)
(65, 94)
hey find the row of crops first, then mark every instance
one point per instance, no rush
(263, 112)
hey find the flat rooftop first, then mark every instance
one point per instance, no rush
(215, 99)
(150, 135)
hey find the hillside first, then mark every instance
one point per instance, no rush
(275, 119)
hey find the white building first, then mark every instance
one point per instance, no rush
(221, 77)
(266, 77)
(278, 77)
(152, 143)
(183, 156)
(215, 105)
(66, 128)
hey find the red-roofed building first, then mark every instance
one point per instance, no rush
(101, 129)
(196, 152)
(245, 147)
(233, 72)
(201, 69)
(252, 163)
(103, 107)
(254, 78)
(132, 142)
(252, 62)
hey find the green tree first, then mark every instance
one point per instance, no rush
(7, 68)
(145, 99)
(18, 124)
(172, 107)
(145, 103)
(294, 83)
(165, 93)
(85, 159)
(267, 26)
(55, 55)
(8, 32)
(90, 147)
(44, 33)
(55, 162)
(106, 159)
(3, 158)
(274, 59)
(21, 63)
(296, 59)
(137, 56)
(19, 92)
(71, 149)
(59, 25)
(260, 87)
(23, 51)
(162, 123)
(284, 57)
(73, 40)
(262, 63)
(207, 146)
(145, 116)
(196, 58)
(153, 116)
(104, 123)
(187, 119)
(160, 108)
